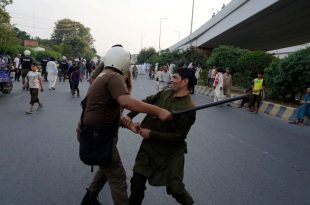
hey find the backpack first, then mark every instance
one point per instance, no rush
(96, 142)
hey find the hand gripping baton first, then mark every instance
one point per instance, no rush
(180, 112)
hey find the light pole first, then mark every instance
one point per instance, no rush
(161, 19)
(142, 40)
(178, 35)
(192, 17)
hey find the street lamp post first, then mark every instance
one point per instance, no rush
(142, 40)
(178, 35)
(192, 17)
(161, 19)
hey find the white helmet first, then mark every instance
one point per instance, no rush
(117, 57)
(64, 58)
(27, 53)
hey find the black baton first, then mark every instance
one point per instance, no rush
(180, 112)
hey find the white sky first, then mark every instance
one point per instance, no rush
(116, 21)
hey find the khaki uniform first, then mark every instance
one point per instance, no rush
(160, 159)
(102, 108)
(100, 68)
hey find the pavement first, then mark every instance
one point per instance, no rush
(276, 110)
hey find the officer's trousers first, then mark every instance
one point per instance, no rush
(115, 175)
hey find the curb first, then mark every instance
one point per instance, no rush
(273, 109)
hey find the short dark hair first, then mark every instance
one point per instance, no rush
(186, 73)
(34, 63)
(260, 72)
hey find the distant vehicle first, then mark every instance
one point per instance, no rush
(6, 84)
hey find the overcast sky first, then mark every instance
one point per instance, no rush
(116, 21)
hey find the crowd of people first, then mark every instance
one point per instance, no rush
(33, 73)
(162, 74)
(161, 157)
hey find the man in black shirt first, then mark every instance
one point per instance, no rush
(25, 63)
(63, 65)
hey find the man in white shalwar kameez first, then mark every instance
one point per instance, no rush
(164, 78)
(52, 73)
(218, 86)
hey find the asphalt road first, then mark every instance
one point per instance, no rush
(234, 157)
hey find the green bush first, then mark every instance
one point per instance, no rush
(249, 64)
(289, 77)
(244, 63)
(225, 56)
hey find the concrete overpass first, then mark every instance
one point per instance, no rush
(255, 25)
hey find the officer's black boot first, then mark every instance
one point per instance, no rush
(90, 198)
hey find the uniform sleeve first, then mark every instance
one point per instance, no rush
(181, 128)
(117, 86)
(150, 100)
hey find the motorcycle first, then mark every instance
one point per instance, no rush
(6, 84)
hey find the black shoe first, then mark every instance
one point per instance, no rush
(90, 198)
(293, 122)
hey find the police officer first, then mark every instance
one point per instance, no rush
(105, 97)
(63, 65)
(44, 61)
(25, 63)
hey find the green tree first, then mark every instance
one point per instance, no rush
(145, 55)
(21, 34)
(249, 64)
(67, 28)
(4, 16)
(73, 39)
(7, 35)
(289, 77)
(225, 56)
(194, 55)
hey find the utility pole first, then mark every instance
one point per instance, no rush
(161, 19)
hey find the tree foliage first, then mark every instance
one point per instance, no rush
(7, 35)
(21, 34)
(289, 77)
(75, 39)
(150, 55)
(145, 55)
(244, 63)
(4, 3)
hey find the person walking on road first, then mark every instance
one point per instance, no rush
(160, 159)
(17, 68)
(25, 64)
(164, 78)
(44, 62)
(52, 73)
(63, 68)
(76, 78)
(105, 97)
(218, 85)
(34, 82)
